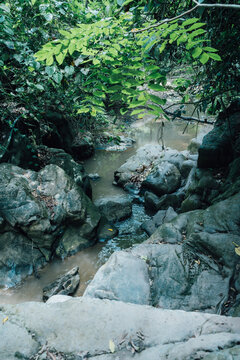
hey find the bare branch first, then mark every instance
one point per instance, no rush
(166, 20)
(230, 6)
(187, 118)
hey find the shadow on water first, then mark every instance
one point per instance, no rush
(105, 163)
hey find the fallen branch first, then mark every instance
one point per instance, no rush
(229, 6)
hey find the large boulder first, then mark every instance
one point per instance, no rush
(221, 145)
(164, 178)
(161, 217)
(115, 208)
(41, 212)
(59, 157)
(84, 328)
(190, 263)
(137, 164)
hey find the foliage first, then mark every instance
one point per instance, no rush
(108, 56)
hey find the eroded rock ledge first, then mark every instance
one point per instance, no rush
(83, 328)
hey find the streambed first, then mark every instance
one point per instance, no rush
(105, 163)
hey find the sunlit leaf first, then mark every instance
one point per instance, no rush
(111, 346)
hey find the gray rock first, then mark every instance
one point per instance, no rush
(192, 202)
(65, 284)
(161, 217)
(83, 146)
(115, 208)
(106, 231)
(186, 167)
(41, 211)
(190, 262)
(124, 277)
(165, 178)
(154, 203)
(58, 298)
(84, 327)
(220, 146)
(142, 160)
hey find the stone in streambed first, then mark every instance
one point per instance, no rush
(66, 284)
(161, 217)
(115, 208)
(165, 178)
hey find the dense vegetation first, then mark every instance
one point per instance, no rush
(81, 59)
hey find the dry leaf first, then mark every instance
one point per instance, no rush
(110, 229)
(237, 250)
(5, 319)
(111, 346)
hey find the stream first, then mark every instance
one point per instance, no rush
(105, 163)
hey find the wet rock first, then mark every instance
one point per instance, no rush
(220, 146)
(163, 179)
(94, 177)
(154, 203)
(40, 211)
(66, 284)
(147, 332)
(186, 167)
(161, 217)
(65, 161)
(115, 208)
(137, 163)
(192, 202)
(195, 144)
(106, 231)
(190, 262)
(83, 146)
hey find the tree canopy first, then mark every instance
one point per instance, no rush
(83, 59)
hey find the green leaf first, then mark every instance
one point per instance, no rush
(197, 32)
(49, 60)
(156, 87)
(158, 109)
(39, 87)
(83, 110)
(57, 77)
(157, 100)
(214, 56)
(208, 48)
(204, 58)
(195, 26)
(162, 47)
(61, 57)
(190, 21)
(196, 52)
(137, 111)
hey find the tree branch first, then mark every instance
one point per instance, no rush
(166, 20)
(230, 6)
(187, 118)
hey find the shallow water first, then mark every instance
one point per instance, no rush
(105, 163)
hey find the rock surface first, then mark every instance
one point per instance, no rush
(41, 212)
(161, 217)
(66, 284)
(100, 329)
(221, 145)
(188, 263)
(164, 178)
(115, 208)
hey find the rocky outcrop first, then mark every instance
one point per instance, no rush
(59, 157)
(91, 328)
(42, 213)
(221, 145)
(161, 217)
(188, 263)
(115, 208)
(66, 284)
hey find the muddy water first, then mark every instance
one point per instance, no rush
(105, 163)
